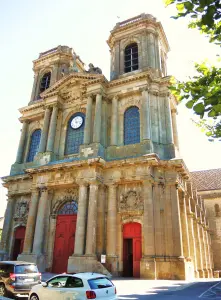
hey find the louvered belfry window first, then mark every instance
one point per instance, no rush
(45, 82)
(132, 126)
(131, 58)
(34, 144)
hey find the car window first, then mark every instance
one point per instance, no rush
(74, 282)
(58, 282)
(6, 269)
(24, 269)
(99, 283)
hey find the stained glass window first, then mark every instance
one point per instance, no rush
(131, 58)
(34, 144)
(132, 126)
(69, 208)
(74, 137)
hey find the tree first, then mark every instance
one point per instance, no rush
(202, 92)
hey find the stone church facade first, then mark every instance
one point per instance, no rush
(98, 171)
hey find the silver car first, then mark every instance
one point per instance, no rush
(80, 286)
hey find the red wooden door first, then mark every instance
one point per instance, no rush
(132, 232)
(64, 242)
(19, 236)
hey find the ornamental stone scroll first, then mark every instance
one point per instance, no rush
(131, 201)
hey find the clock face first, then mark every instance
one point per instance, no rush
(77, 122)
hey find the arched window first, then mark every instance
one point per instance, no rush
(75, 133)
(132, 126)
(69, 208)
(34, 144)
(45, 82)
(131, 58)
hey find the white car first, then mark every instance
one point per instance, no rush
(80, 286)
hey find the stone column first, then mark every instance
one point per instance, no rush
(210, 267)
(101, 221)
(146, 115)
(7, 226)
(40, 222)
(52, 130)
(149, 244)
(81, 220)
(87, 128)
(184, 225)
(97, 119)
(198, 249)
(177, 230)
(92, 220)
(51, 239)
(34, 88)
(44, 133)
(206, 264)
(151, 50)
(30, 227)
(174, 124)
(157, 52)
(112, 220)
(114, 121)
(21, 145)
(193, 252)
(169, 130)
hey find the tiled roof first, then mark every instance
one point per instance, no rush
(207, 180)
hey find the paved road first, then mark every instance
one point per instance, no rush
(170, 290)
(131, 289)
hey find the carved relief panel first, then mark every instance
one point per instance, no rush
(130, 199)
(62, 196)
(21, 210)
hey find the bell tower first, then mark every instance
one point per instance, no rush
(138, 47)
(51, 66)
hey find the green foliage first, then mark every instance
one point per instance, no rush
(202, 93)
(206, 15)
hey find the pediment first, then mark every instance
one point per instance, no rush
(72, 86)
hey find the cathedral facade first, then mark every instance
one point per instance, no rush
(98, 184)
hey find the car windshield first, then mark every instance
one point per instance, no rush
(23, 269)
(99, 283)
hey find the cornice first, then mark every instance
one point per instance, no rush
(92, 79)
(39, 104)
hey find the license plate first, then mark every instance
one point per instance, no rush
(29, 280)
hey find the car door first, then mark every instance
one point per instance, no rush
(55, 288)
(74, 289)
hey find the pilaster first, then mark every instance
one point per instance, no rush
(175, 132)
(88, 121)
(21, 145)
(31, 222)
(92, 220)
(146, 115)
(44, 133)
(81, 220)
(52, 129)
(97, 120)
(114, 121)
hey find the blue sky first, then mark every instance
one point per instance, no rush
(31, 27)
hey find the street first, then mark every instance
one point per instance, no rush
(133, 289)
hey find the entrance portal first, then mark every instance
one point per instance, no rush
(19, 236)
(131, 249)
(64, 237)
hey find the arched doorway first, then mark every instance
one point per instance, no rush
(131, 249)
(64, 236)
(19, 236)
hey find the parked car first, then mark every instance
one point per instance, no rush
(80, 286)
(18, 277)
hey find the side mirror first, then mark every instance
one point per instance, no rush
(44, 284)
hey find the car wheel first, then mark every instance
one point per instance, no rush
(34, 297)
(2, 290)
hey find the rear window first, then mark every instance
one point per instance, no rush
(99, 283)
(23, 269)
